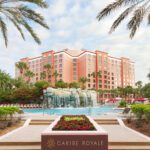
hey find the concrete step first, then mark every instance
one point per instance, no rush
(112, 146)
(105, 120)
(109, 122)
(31, 147)
(39, 123)
(43, 120)
(126, 147)
(20, 143)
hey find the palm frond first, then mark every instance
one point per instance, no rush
(33, 16)
(31, 31)
(18, 27)
(21, 15)
(138, 6)
(136, 20)
(40, 3)
(4, 31)
(115, 5)
(123, 15)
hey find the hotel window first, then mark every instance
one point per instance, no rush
(74, 64)
(88, 80)
(89, 85)
(60, 55)
(100, 86)
(89, 75)
(74, 60)
(93, 80)
(100, 81)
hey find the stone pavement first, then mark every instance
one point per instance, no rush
(118, 133)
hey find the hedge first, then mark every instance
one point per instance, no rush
(7, 111)
(141, 110)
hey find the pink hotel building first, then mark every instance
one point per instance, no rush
(73, 64)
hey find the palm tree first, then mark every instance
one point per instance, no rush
(48, 68)
(43, 75)
(29, 74)
(5, 81)
(96, 75)
(83, 80)
(139, 86)
(55, 74)
(22, 66)
(20, 14)
(93, 74)
(139, 8)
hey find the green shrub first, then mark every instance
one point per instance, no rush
(122, 104)
(7, 111)
(147, 113)
(138, 110)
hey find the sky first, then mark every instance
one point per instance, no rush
(73, 25)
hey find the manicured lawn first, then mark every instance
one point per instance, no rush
(73, 122)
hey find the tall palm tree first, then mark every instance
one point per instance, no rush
(5, 81)
(96, 75)
(55, 74)
(48, 68)
(93, 74)
(20, 15)
(139, 9)
(83, 80)
(29, 74)
(43, 75)
(139, 86)
(22, 66)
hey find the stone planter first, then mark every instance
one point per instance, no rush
(74, 140)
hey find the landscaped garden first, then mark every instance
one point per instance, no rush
(74, 122)
(10, 118)
(141, 119)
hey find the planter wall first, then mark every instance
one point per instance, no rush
(74, 140)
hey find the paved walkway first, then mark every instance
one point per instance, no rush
(117, 133)
(28, 134)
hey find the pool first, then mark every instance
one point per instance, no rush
(91, 111)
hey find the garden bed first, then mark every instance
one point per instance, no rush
(11, 128)
(144, 127)
(74, 133)
(74, 123)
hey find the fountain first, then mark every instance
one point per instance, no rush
(69, 98)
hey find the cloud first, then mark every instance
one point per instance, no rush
(73, 25)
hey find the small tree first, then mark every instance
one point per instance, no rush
(83, 80)
(29, 74)
(22, 66)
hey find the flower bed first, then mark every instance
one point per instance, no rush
(73, 122)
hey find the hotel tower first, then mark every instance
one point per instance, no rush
(73, 64)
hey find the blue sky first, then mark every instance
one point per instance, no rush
(73, 25)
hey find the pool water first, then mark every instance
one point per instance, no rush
(91, 111)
